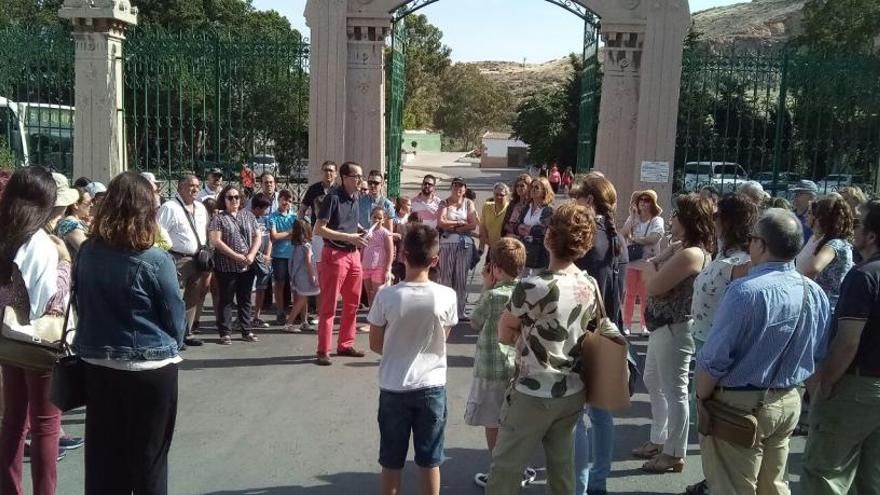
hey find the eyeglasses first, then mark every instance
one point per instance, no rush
(233, 198)
(374, 182)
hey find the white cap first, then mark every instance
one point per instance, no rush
(150, 177)
(96, 188)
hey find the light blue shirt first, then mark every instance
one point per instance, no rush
(281, 223)
(366, 203)
(754, 322)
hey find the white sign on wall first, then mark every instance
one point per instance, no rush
(655, 172)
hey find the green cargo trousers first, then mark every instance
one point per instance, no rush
(526, 423)
(843, 447)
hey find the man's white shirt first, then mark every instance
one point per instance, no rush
(175, 220)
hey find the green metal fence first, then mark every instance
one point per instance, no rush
(199, 101)
(777, 117)
(36, 96)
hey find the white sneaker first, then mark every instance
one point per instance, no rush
(528, 476)
(306, 327)
(291, 328)
(481, 479)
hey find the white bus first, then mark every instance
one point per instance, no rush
(38, 133)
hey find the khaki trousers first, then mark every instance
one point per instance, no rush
(734, 470)
(527, 422)
(195, 286)
(843, 448)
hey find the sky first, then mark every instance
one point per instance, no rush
(509, 30)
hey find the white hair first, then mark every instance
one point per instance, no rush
(753, 190)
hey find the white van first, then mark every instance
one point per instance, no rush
(724, 176)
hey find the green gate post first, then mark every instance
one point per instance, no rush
(394, 127)
(588, 123)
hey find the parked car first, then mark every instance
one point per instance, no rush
(834, 182)
(264, 163)
(724, 176)
(783, 180)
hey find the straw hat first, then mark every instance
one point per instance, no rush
(651, 194)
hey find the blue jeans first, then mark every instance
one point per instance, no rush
(597, 446)
(420, 412)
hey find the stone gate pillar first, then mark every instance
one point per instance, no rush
(327, 21)
(365, 91)
(98, 31)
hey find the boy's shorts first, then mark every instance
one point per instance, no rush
(422, 412)
(280, 269)
(261, 280)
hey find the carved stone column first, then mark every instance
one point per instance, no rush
(619, 108)
(365, 91)
(327, 72)
(99, 30)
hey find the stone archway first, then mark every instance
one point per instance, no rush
(640, 87)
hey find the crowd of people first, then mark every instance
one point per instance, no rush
(776, 306)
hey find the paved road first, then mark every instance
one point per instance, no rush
(262, 419)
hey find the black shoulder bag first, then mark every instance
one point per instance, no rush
(204, 256)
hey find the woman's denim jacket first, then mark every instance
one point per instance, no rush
(128, 304)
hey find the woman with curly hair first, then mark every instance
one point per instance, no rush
(546, 318)
(828, 256)
(735, 218)
(669, 281)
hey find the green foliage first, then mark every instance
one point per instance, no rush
(237, 17)
(7, 158)
(548, 120)
(427, 60)
(841, 25)
(470, 105)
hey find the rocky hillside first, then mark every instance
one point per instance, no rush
(525, 79)
(751, 24)
(748, 25)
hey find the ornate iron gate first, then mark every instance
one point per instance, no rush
(588, 124)
(199, 101)
(394, 112)
(777, 116)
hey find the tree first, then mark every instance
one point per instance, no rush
(548, 120)
(850, 25)
(471, 104)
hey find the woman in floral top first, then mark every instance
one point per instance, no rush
(828, 256)
(546, 318)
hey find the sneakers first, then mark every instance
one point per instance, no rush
(292, 328)
(528, 476)
(307, 327)
(249, 337)
(258, 323)
(281, 319)
(71, 443)
(191, 342)
(313, 321)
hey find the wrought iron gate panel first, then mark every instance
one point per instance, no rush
(394, 112)
(589, 100)
(777, 116)
(198, 101)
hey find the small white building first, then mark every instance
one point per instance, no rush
(501, 150)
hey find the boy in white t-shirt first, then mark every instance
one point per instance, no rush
(412, 375)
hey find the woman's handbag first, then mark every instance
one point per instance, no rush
(34, 345)
(67, 390)
(735, 425)
(605, 363)
(635, 252)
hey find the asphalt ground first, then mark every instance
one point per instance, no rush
(263, 419)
